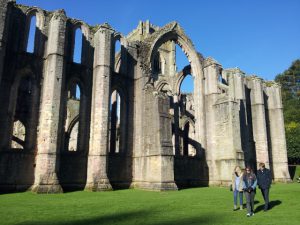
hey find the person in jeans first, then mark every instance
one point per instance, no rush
(237, 187)
(249, 185)
(264, 180)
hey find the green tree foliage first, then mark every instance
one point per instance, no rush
(290, 82)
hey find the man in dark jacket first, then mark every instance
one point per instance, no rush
(264, 180)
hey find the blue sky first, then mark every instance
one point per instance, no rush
(259, 36)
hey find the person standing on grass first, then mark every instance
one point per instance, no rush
(249, 185)
(264, 180)
(237, 187)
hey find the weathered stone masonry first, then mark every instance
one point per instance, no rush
(118, 119)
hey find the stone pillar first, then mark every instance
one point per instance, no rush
(278, 151)
(4, 20)
(163, 162)
(211, 72)
(97, 179)
(236, 84)
(259, 121)
(156, 160)
(199, 99)
(48, 144)
(236, 81)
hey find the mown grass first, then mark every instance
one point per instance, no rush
(191, 206)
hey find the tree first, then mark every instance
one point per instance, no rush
(290, 83)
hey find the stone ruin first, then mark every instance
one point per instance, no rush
(119, 119)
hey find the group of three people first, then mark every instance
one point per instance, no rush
(245, 182)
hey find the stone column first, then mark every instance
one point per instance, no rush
(259, 121)
(48, 146)
(211, 72)
(4, 20)
(163, 160)
(199, 99)
(236, 80)
(278, 151)
(97, 179)
(156, 162)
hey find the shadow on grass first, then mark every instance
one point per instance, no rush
(272, 204)
(138, 217)
(245, 204)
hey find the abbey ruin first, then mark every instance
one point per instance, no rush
(119, 119)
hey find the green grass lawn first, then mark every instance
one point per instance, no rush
(191, 206)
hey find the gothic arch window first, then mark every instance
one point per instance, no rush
(73, 135)
(18, 135)
(157, 67)
(117, 47)
(117, 55)
(115, 122)
(31, 34)
(187, 84)
(181, 59)
(73, 118)
(177, 39)
(77, 46)
(22, 113)
(221, 78)
(186, 90)
(118, 122)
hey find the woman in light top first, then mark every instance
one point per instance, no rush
(237, 187)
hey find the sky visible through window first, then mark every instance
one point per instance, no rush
(259, 37)
(31, 35)
(187, 85)
(78, 93)
(77, 46)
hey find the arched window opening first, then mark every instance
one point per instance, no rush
(73, 137)
(115, 122)
(77, 95)
(157, 67)
(117, 47)
(22, 113)
(186, 95)
(181, 59)
(77, 46)
(72, 121)
(187, 85)
(31, 35)
(19, 133)
(221, 79)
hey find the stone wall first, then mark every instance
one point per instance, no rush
(52, 142)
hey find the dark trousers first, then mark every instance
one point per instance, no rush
(265, 194)
(250, 201)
